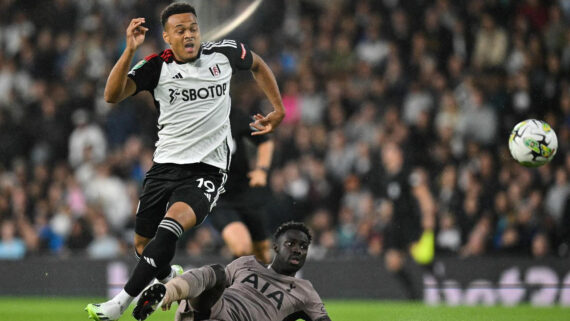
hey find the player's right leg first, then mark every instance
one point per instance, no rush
(253, 215)
(203, 303)
(156, 256)
(262, 251)
(237, 238)
(226, 219)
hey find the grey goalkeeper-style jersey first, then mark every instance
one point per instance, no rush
(258, 293)
(193, 101)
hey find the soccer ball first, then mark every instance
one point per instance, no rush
(533, 143)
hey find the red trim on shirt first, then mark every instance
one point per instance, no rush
(167, 55)
(149, 57)
(242, 51)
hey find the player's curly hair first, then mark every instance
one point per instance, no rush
(176, 8)
(292, 225)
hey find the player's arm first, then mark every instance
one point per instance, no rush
(119, 86)
(267, 82)
(421, 191)
(258, 176)
(314, 307)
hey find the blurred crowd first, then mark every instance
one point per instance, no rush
(424, 90)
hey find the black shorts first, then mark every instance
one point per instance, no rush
(247, 207)
(198, 185)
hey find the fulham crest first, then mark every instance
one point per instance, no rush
(215, 70)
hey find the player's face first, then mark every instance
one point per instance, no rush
(182, 33)
(291, 250)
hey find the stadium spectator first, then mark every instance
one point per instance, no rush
(110, 193)
(104, 245)
(490, 44)
(361, 74)
(85, 138)
(11, 246)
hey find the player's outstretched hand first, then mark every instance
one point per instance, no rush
(136, 33)
(266, 124)
(257, 178)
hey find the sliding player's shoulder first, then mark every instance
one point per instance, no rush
(306, 284)
(245, 261)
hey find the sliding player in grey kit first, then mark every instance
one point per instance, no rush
(245, 290)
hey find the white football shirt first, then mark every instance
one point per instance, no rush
(193, 101)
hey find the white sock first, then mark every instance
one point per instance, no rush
(123, 299)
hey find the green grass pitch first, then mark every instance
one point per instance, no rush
(62, 309)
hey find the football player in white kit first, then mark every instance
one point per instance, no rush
(190, 84)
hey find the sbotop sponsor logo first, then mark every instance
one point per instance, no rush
(193, 94)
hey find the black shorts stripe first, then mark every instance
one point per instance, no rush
(219, 191)
(228, 156)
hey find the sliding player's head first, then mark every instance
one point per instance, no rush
(291, 243)
(181, 30)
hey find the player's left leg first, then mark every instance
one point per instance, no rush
(156, 256)
(189, 207)
(140, 243)
(154, 262)
(190, 203)
(153, 200)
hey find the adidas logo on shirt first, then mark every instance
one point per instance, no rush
(150, 261)
(177, 76)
